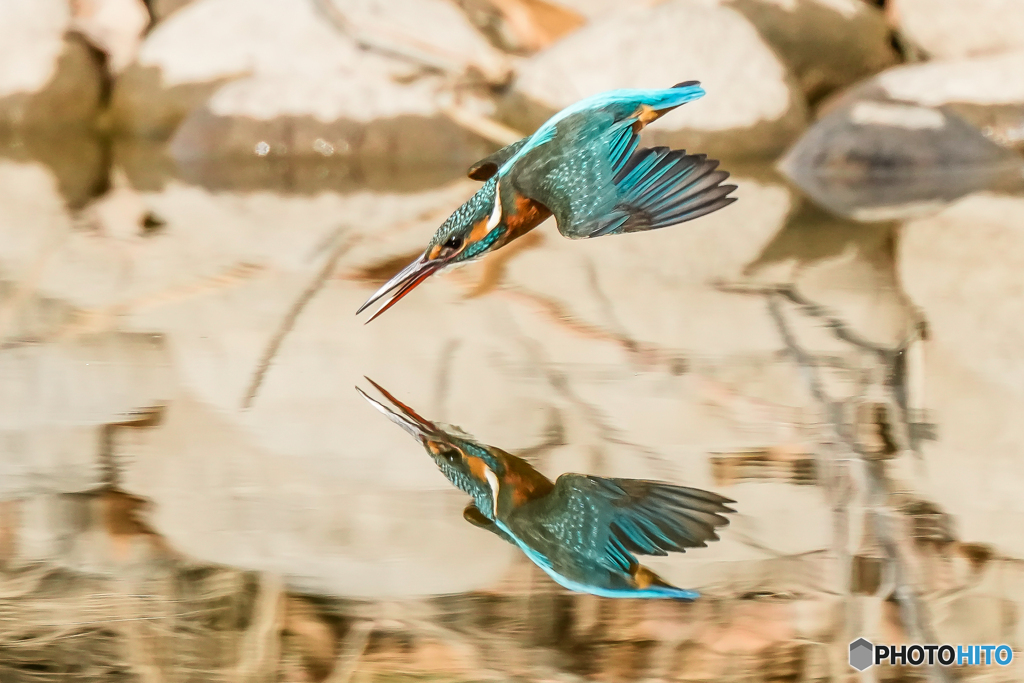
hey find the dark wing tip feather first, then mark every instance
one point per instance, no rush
(655, 518)
(660, 187)
(686, 84)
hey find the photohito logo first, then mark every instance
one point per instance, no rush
(863, 654)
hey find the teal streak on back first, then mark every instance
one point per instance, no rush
(620, 103)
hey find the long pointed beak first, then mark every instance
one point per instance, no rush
(402, 415)
(402, 283)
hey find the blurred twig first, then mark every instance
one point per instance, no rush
(288, 322)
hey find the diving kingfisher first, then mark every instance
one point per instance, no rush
(583, 531)
(584, 167)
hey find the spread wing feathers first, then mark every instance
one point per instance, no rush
(489, 165)
(573, 175)
(606, 186)
(658, 187)
(620, 517)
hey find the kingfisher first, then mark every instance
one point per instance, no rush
(583, 167)
(583, 531)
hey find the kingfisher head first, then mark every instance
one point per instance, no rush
(470, 466)
(475, 228)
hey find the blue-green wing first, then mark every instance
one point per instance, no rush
(573, 173)
(609, 521)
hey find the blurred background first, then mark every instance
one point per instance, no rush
(196, 195)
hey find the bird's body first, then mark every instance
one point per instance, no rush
(583, 531)
(583, 167)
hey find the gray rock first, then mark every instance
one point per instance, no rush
(392, 146)
(986, 91)
(49, 80)
(875, 159)
(752, 106)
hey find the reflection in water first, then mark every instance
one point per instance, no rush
(582, 530)
(191, 491)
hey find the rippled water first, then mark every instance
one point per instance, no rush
(193, 490)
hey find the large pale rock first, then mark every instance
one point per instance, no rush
(952, 28)
(874, 159)
(962, 268)
(752, 106)
(47, 79)
(825, 44)
(986, 91)
(273, 78)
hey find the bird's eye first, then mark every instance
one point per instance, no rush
(453, 243)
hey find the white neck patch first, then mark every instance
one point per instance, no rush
(492, 481)
(496, 212)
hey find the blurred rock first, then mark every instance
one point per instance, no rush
(985, 91)
(953, 28)
(846, 268)
(597, 9)
(161, 9)
(51, 459)
(826, 44)
(269, 77)
(77, 159)
(90, 380)
(114, 26)
(521, 26)
(975, 466)
(876, 160)
(752, 107)
(149, 166)
(121, 213)
(49, 80)
(961, 267)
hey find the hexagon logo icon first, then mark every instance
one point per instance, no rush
(861, 654)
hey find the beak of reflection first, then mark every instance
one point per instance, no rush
(401, 284)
